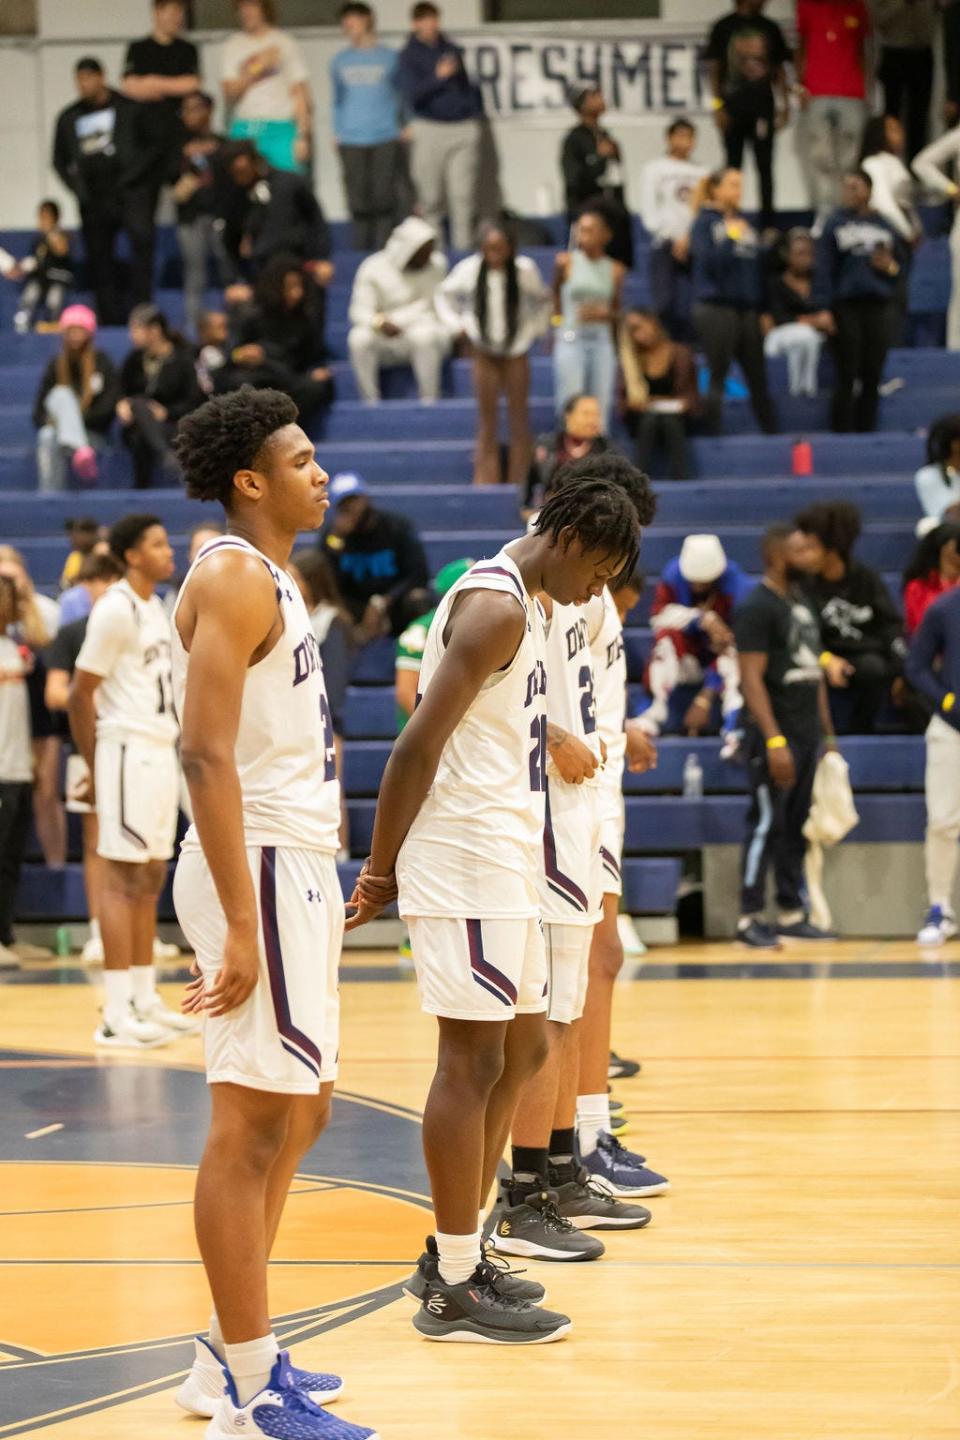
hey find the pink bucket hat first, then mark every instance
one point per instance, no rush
(80, 315)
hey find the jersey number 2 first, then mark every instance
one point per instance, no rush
(538, 755)
(329, 753)
(588, 705)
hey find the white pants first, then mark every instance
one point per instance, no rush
(444, 160)
(423, 345)
(943, 811)
(802, 345)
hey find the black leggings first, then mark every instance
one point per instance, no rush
(860, 350)
(148, 440)
(16, 808)
(728, 334)
(775, 822)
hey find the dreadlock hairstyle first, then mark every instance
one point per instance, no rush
(228, 434)
(616, 470)
(598, 514)
(512, 285)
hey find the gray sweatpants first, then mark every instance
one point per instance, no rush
(444, 158)
(832, 127)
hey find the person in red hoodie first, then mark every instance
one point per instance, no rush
(933, 569)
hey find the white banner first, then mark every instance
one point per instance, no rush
(532, 74)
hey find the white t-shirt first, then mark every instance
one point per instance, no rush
(16, 753)
(128, 645)
(666, 189)
(268, 98)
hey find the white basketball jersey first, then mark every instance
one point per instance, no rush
(476, 847)
(127, 643)
(571, 685)
(284, 747)
(610, 669)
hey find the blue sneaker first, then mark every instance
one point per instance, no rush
(615, 1170)
(938, 927)
(204, 1387)
(280, 1411)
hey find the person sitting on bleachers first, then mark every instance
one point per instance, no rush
(862, 632)
(934, 568)
(728, 296)
(938, 482)
(74, 406)
(278, 340)
(659, 377)
(158, 386)
(856, 279)
(495, 302)
(46, 272)
(393, 312)
(580, 433)
(793, 326)
(692, 616)
(267, 212)
(378, 560)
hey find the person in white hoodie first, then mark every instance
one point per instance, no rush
(497, 301)
(393, 314)
(932, 168)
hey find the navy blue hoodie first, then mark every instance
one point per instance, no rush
(726, 271)
(844, 251)
(455, 98)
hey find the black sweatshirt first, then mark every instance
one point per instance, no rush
(174, 385)
(385, 558)
(857, 615)
(99, 413)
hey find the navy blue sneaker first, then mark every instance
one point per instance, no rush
(621, 1069)
(757, 935)
(805, 930)
(279, 1412)
(203, 1388)
(621, 1173)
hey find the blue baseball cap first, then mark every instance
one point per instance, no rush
(345, 484)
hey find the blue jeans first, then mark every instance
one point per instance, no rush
(585, 363)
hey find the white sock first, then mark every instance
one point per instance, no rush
(143, 978)
(593, 1114)
(95, 930)
(118, 992)
(250, 1365)
(216, 1334)
(459, 1256)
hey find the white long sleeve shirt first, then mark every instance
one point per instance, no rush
(456, 306)
(892, 193)
(929, 165)
(666, 190)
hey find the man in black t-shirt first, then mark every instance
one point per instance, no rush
(746, 54)
(158, 72)
(784, 692)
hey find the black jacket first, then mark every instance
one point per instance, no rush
(857, 615)
(384, 558)
(294, 339)
(99, 413)
(583, 166)
(99, 151)
(279, 215)
(174, 386)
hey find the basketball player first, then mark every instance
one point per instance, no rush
(459, 831)
(256, 891)
(124, 727)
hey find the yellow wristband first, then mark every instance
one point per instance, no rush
(825, 658)
(556, 321)
(777, 742)
(716, 103)
(948, 702)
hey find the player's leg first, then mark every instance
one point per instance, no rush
(120, 905)
(308, 1118)
(606, 961)
(525, 1053)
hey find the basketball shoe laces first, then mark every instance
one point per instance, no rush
(490, 1278)
(616, 1151)
(493, 1261)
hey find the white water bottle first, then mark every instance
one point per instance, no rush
(692, 778)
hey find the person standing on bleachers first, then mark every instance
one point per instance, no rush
(933, 668)
(197, 177)
(158, 72)
(496, 302)
(366, 125)
(935, 167)
(266, 86)
(856, 279)
(831, 57)
(101, 154)
(158, 386)
(788, 724)
(906, 30)
(667, 188)
(74, 404)
(446, 110)
(792, 324)
(587, 294)
(16, 768)
(728, 296)
(592, 166)
(267, 212)
(892, 197)
(393, 312)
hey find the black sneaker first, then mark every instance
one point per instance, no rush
(536, 1228)
(616, 1106)
(620, 1069)
(618, 1123)
(757, 935)
(508, 1283)
(805, 930)
(581, 1201)
(478, 1312)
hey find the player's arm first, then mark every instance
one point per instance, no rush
(224, 639)
(110, 629)
(56, 690)
(483, 636)
(82, 713)
(753, 668)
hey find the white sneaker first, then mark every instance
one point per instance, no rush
(157, 1013)
(206, 1383)
(633, 946)
(130, 1032)
(938, 927)
(25, 951)
(92, 952)
(164, 951)
(9, 960)
(280, 1409)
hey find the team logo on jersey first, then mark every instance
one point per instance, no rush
(306, 659)
(614, 651)
(536, 683)
(577, 638)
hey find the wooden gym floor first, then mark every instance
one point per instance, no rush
(802, 1279)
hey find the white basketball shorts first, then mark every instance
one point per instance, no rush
(568, 970)
(285, 1037)
(75, 775)
(138, 790)
(572, 888)
(612, 823)
(479, 969)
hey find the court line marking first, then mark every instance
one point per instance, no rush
(44, 1130)
(610, 1264)
(138, 1205)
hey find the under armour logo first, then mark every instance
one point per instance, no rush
(314, 895)
(436, 1303)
